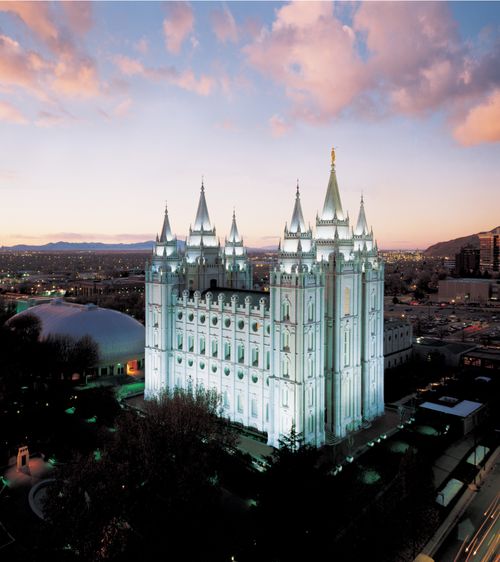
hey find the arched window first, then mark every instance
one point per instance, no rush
(286, 368)
(179, 340)
(286, 340)
(255, 356)
(310, 311)
(190, 343)
(241, 353)
(310, 340)
(310, 367)
(215, 348)
(227, 351)
(202, 345)
(285, 310)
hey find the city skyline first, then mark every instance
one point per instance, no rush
(109, 109)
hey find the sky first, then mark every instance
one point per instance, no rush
(108, 110)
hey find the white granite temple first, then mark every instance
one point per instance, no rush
(307, 352)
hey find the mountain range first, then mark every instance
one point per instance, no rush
(452, 247)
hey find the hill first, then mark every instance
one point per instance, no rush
(452, 247)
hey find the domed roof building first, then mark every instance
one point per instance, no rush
(120, 338)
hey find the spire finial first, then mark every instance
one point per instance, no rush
(333, 156)
(202, 180)
(298, 189)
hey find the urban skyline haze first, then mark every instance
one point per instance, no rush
(109, 109)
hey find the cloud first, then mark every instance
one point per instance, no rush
(279, 127)
(142, 46)
(76, 76)
(122, 108)
(224, 26)
(48, 119)
(37, 16)
(393, 58)
(185, 79)
(18, 67)
(11, 114)
(482, 123)
(177, 25)
(79, 15)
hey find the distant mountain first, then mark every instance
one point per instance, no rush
(81, 247)
(452, 247)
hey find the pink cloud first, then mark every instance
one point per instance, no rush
(19, 67)
(312, 54)
(482, 123)
(79, 15)
(76, 77)
(122, 108)
(186, 79)
(178, 25)
(413, 61)
(37, 16)
(224, 26)
(279, 126)
(11, 114)
(142, 46)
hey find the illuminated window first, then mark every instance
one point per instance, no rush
(284, 397)
(285, 368)
(310, 340)
(347, 301)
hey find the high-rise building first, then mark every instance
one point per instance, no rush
(467, 261)
(307, 353)
(489, 244)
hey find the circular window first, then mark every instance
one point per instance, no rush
(191, 317)
(227, 370)
(255, 379)
(214, 368)
(227, 322)
(190, 362)
(179, 315)
(202, 318)
(179, 359)
(240, 375)
(255, 326)
(241, 324)
(202, 365)
(214, 320)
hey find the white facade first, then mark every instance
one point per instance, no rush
(309, 352)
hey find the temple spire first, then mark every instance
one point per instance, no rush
(333, 206)
(166, 233)
(202, 221)
(297, 224)
(234, 235)
(362, 225)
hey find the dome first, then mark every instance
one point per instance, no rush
(120, 337)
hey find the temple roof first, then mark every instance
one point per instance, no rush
(166, 233)
(361, 226)
(202, 221)
(333, 206)
(297, 222)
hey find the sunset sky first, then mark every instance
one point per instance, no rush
(107, 110)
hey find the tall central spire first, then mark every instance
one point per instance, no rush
(202, 221)
(333, 206)
(297, 222)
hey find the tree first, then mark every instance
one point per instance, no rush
(155, 484)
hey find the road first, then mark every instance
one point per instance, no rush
(476, 537)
